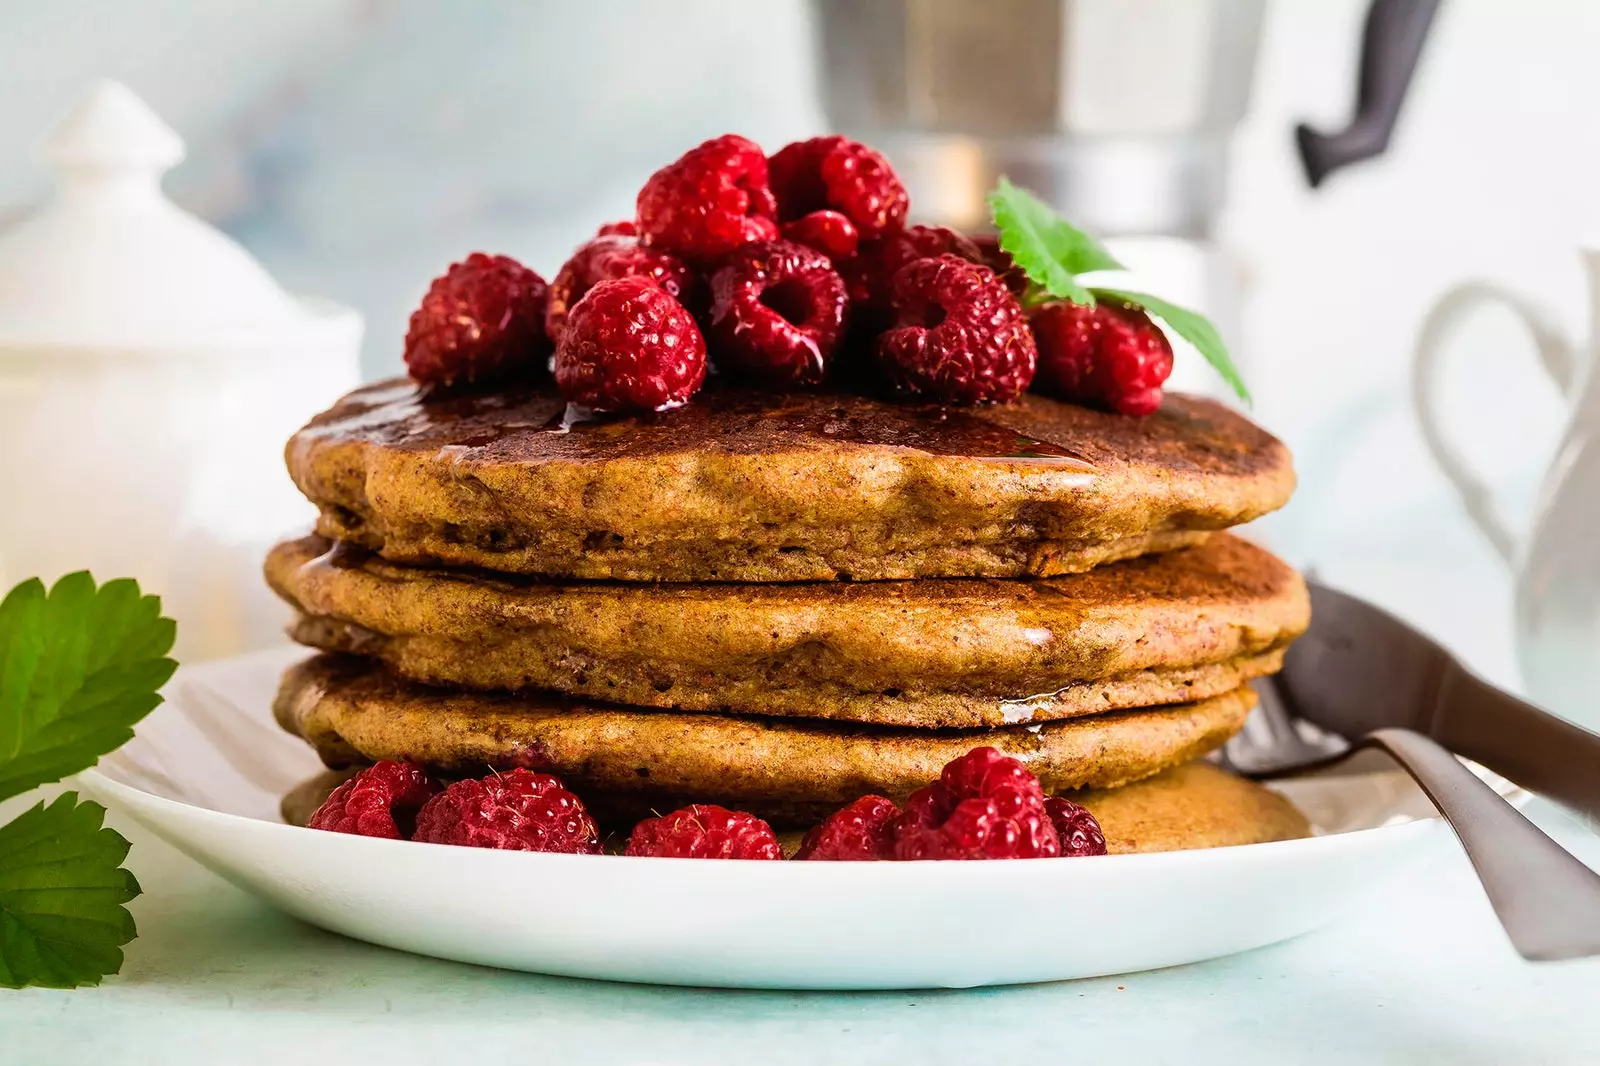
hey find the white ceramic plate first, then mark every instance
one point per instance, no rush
(206, 771)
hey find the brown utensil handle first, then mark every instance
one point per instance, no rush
(1548, 901)
(1517, 740)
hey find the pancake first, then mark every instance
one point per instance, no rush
(352, 711)
(749, 485)
(1195, 805)
(948, 653)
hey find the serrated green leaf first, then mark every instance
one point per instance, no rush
(62, 923)
(79, 666)
(1192, 327)
(1048, 248)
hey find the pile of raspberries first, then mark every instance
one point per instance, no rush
(783, 271)
(984, 805)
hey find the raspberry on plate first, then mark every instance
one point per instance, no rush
(862, 831)
(838, 174)
(380, 801)
(985, 805)
(777, 313)
(482, 320)
(870, 274)
(518, 810)
(1077, 829)
(828, 232)
(711, 200)
(1110, 355)
(629, 346)
(959, 335)
(606, 257)
(704, 831)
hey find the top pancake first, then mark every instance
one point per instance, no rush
(746, 485)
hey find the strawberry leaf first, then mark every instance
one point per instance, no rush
(1048, 248)
(1194, 328)
(79, 665)
(62, 923)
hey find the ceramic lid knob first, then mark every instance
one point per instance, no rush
(110, 263)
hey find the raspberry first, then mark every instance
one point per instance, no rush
(713, 199)
(1077, 829)
(704, 831)
(628, 345)
(870, 274)
(984, 806)
(864, 830)
(999, 260)
(606, 257)
(483, 320)
(777, 313)
(515, 811)
(380, 801)
(959, 336)
(828, 232)
(1110, 355)
(843, 175)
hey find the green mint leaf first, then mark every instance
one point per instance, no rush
(62, 923)
(1048, 248)
(1191, 327)
(79, 665)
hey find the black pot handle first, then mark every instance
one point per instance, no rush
(1391, 41)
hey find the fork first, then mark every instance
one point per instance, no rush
(1547, 901)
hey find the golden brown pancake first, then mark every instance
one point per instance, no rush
(951, 653)
(353, 711)
(750, 485)
(1195, 805)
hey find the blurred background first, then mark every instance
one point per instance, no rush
(356, 147)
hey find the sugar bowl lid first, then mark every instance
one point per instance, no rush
(111, 263)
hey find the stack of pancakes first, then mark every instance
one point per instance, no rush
(781, 602)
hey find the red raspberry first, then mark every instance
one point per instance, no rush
(629, 346)
(515, 811)
(959, 337)
(624, 228)
(607, 257)
(999, 260)
(704, 831)
(380, 801)
(1077, 829)
(777, 313)
(871, 273)
(1110, 355)
(713, 199)
(984, 806)
(483, 320)
(828, 232)
(843, 175)
(864, 830)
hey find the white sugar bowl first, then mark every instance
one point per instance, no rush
(150, 371)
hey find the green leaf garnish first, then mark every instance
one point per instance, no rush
(1194, 328)
(1049, 249)
(62, 923)
(1053, 252)
(78, 667)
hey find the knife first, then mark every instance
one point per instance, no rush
(1360, 669)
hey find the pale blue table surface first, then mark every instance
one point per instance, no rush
(1424, 976)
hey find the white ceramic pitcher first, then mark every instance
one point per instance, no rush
(1557, 562)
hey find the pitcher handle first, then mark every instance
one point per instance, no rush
(1555, 355)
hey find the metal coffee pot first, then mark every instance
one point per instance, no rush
(1119, 112)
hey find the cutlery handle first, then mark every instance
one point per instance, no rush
(1547, 901)
(1535, 749)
